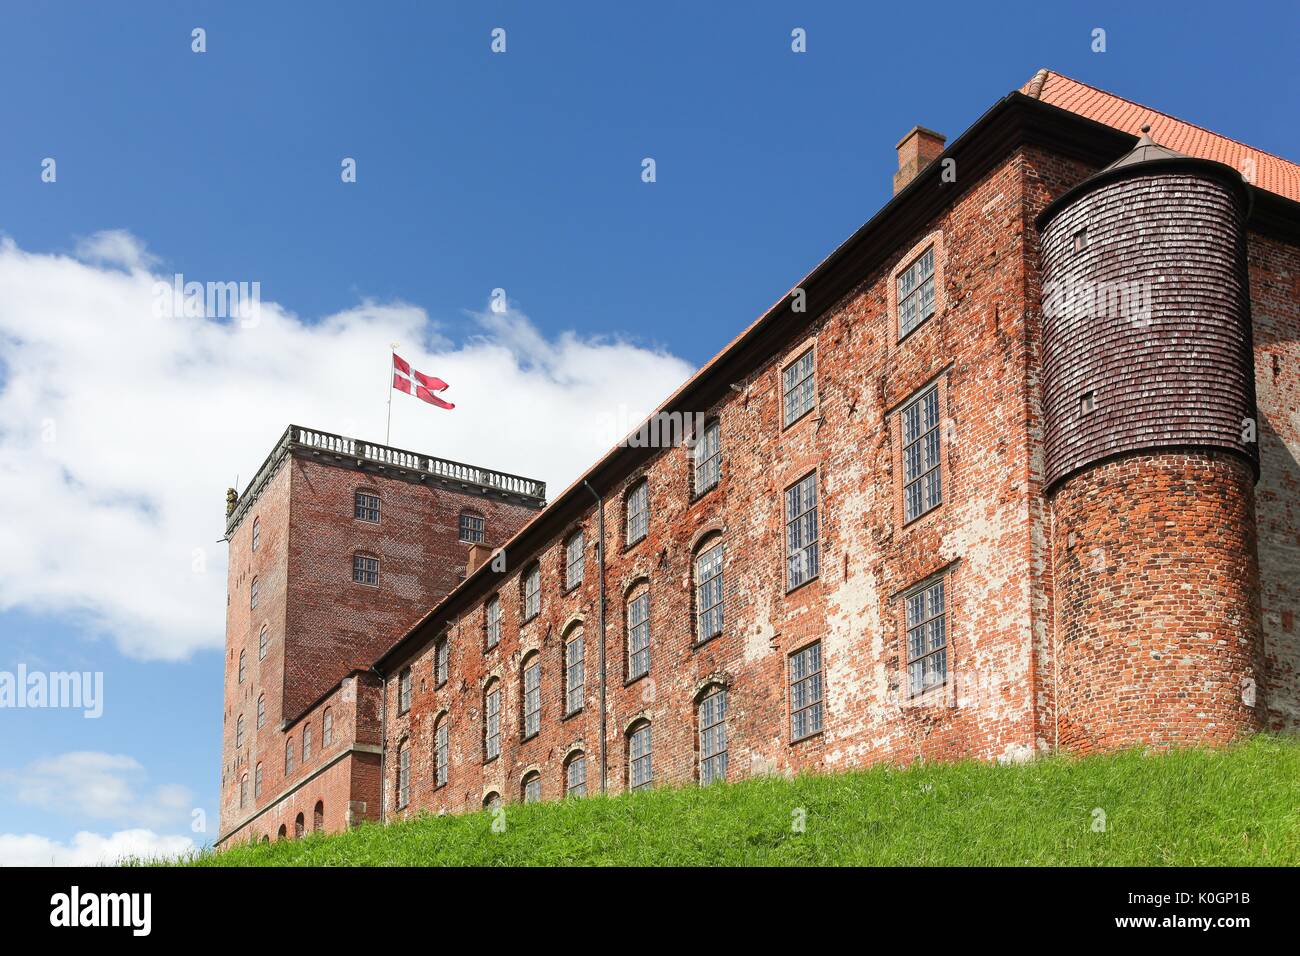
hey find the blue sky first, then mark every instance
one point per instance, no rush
(478, 171)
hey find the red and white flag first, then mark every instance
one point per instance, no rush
(408, 380)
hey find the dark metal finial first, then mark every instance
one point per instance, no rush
(1147, 128)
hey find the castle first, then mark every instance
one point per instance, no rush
(1013, 470)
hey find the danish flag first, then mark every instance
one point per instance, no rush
(408, 380)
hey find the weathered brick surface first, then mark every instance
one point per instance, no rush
(1157, 591)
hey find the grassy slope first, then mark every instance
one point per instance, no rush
(1235, 806)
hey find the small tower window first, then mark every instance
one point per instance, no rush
(1081, 240)
(1087, 402)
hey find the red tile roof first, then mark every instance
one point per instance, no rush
(1272, 173)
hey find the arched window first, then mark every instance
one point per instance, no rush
(573, 560)
(531, 788)
(531, 688)
(441, 661)
(492, 801)
(318, 817)
(365, 506)
(261, 711)
(306, 742)
(492, 722)
(441, 751)
(265, 838)
(263, 641)
(243, 791)
(471, 527)
(365, 569)
(327, 728)
(257, 533)
(404, 690)
(637, 512)
(640, 770)
(638, 631)
(257, 781)
(241, 665)
(239, 731)
(532, 591)
(708, 591)
(283, 833)
(299, 827)
(403, 774)
(492, 621)
(711, 715)
(708, 457)
(575, 775)
(574, 672)
(288, 757)
(252, 595)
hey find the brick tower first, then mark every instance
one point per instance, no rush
(1151, 458)
(337, 547)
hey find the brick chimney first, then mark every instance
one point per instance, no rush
(478, 553)
(916, 150)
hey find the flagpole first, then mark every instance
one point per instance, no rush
(388, 428)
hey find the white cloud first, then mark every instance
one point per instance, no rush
(99, 786)
(89, 849)
(122, 430)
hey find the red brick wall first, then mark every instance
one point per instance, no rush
(1158, 602)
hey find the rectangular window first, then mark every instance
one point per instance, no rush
(532, 593)
(927, 638)
(403, 776)
(638, 512)
(574, 674)
(532, 699)
(492, 724)
(404, 690)
(640, 770)
(365, 570)
(441, 662)
(806, 692)
(493, 615)
(365, 507)
(708, 457)
(713, 737)
(638, 636)
(922, 484)
(916, 293)
(801, 531)
(471, 529)
(708, 593)
(1081, 240)
(798, 387)
(573, 562)
(575, 779)
(441, 746)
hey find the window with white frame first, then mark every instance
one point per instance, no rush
(574, 672)
(261, 711)
(927, 637)
(441, 661)
(252, 595)
(640, 770)
(801, 554)
(241, 667)
(798, 388)
(441, 751)
(575, 776)
(916, 292)
(708, 593)
(806, 692)
(239, 731)
(471, 528)
(365, 507)
(573, 561)
(492, 723)
(922, 481)
(257, 533)
(532, 696)
(532, 787)
(638, 512)
(712, 717)
(263, 642)
(403, 774)
(638, 635)
(708, 457)
(532, 592)
(404, 690)
(365, 569)
(492, 615)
